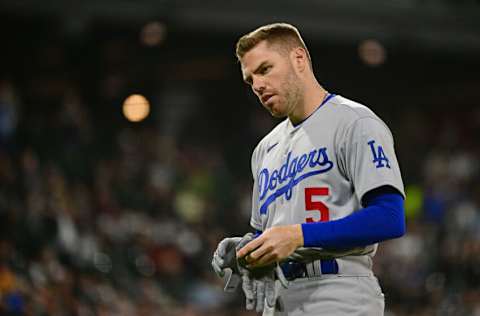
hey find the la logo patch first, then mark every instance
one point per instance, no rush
(379, 157)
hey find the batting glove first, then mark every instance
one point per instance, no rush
(257, 290)
(221, 257)
(260, 288)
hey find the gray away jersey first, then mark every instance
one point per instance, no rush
(320, 169)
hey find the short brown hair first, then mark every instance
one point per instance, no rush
(283, 34)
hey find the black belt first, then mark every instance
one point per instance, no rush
(294, 270)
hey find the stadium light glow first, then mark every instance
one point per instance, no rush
(153, 34)
(136, 108)
(372, 52)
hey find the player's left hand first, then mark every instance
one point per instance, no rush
(273, 245)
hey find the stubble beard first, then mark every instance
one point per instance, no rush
(293, 93)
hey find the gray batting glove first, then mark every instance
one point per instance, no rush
(266, 292)
(254, 290)
(259, 292)
(220, 259)
(225, 259)
(249, 287)
(262, 290)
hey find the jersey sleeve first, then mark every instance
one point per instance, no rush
(255, 220)
(370, 158)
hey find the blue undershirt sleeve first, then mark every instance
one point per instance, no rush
(382, 218)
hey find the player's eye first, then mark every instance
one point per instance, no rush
(265, 69)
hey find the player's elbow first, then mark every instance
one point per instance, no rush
(396, 214)
(399, 228)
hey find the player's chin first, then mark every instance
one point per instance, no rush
(276, 113)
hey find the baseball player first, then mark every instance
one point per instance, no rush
(327, 188)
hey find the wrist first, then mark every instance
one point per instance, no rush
(298, 235)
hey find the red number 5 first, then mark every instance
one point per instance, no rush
(316, 205)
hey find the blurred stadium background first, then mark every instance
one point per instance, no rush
(109, 207)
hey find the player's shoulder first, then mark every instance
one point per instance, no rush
(353, 113)
(271, 139)
(352, 110)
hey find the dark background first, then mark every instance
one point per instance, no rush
(102, 216)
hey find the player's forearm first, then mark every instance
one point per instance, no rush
(382, 219)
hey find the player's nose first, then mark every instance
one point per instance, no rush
(258, 86)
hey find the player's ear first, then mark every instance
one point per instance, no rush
(299, 59)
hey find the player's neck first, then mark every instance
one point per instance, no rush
(312, 98)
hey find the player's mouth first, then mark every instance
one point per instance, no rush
(266, 98)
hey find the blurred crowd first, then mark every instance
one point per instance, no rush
(127, 229)
(104, 217)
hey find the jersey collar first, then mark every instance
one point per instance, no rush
(325, 100)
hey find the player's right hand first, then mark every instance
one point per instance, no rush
(274, 245)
